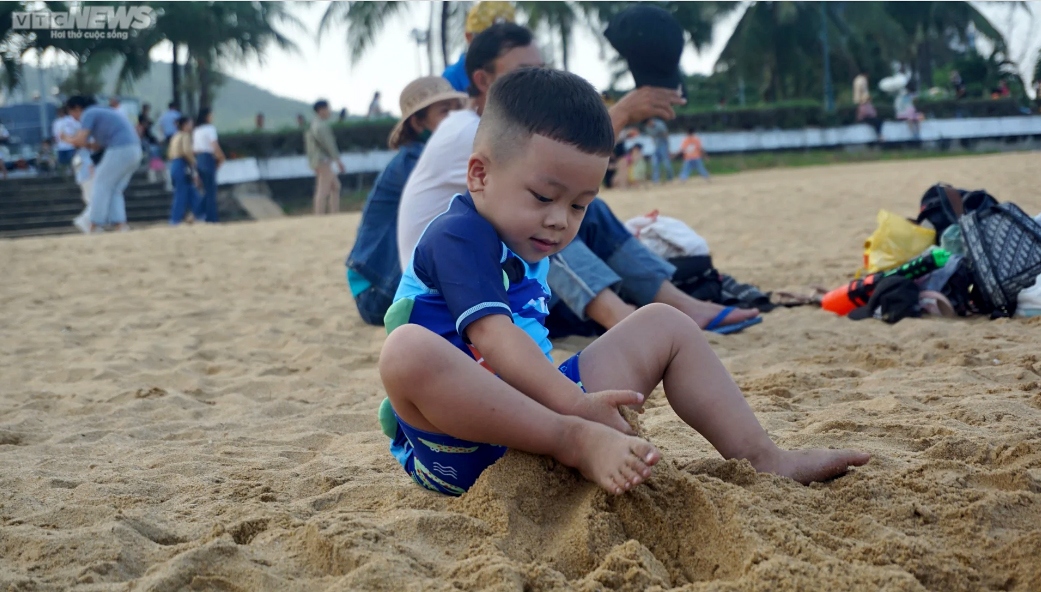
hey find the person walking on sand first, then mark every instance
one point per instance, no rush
(109, 130)
(184, 172)
(208, 158)
(661, 156)
(322, 152)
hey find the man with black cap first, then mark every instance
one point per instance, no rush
(584, 273)
(651, 41)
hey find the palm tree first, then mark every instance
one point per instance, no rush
(216, 32)
(12, 45)
(777, 45)
(453, 17)
(364, 21)
(933, 26)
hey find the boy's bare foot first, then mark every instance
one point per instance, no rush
(607, 457)
(807, 466)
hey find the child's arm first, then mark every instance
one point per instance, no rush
(519, 361)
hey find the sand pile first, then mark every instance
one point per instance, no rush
(195, 408)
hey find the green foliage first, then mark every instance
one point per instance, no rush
(350, 137)
(372, 134)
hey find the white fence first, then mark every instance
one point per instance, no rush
(244, 170)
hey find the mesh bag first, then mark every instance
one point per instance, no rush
(1004, 246)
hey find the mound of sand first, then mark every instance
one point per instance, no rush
(195, 408)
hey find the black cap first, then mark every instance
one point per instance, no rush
(895, 298)
(651, 41)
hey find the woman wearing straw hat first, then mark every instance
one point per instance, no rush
(373, 271)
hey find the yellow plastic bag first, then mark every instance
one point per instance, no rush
(895, 242)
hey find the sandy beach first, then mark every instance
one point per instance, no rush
(195, 408)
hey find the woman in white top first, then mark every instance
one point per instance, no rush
(208, 156)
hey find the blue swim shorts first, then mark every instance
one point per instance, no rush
(440, 462)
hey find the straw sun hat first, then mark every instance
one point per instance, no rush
(420, 94)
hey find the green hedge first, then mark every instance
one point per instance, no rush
(811, 114)
(350, 137)
(372, 135)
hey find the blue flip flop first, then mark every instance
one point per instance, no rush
(716, 326)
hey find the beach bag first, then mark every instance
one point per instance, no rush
(937, 211)
(667, 237)
(1004, 247)
(960, 289)
(697, 278)
(895, 242)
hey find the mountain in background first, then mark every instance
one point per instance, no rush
(235, 107)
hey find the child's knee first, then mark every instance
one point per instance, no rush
(667, 315)
(406, 352)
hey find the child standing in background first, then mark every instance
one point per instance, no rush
(693, 156)
(637, 166)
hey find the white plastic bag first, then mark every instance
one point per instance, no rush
(667, 237)
(1029, 300)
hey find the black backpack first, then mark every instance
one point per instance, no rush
(1004, 248)
(696, 276)
(937, 209)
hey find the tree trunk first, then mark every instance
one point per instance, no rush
(925, 59)
(175, 79)
(189, 94)
(430, 41)
(446, 7)
(205, 83)
(563, 49)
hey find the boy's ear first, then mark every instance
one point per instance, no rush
(476, 172)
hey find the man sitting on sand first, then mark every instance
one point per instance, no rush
(475, 290)
(605, 257)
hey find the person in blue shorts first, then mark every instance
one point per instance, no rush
(467, 364)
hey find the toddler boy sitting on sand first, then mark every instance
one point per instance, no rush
(475, 290)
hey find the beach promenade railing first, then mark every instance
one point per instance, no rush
(246, 170)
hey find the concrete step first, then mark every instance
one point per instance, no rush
(46, 222)
(75, 206)
(58, 193)
(26, 232)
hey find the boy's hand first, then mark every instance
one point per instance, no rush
(602, 407)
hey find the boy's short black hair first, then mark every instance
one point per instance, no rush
(691, 131)
(490, 44)
(322, 104)
(182, 120)
(557, 105)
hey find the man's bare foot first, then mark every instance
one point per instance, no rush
(807, 466)
(702, 312)
(607, 457)
(706, 311)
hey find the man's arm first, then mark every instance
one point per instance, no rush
(328, 143)
(80, 139)
(644, 103)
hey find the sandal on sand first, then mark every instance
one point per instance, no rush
(716, 325)
(791, 299)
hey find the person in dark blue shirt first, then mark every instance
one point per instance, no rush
(467, 364)
(373, 271)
